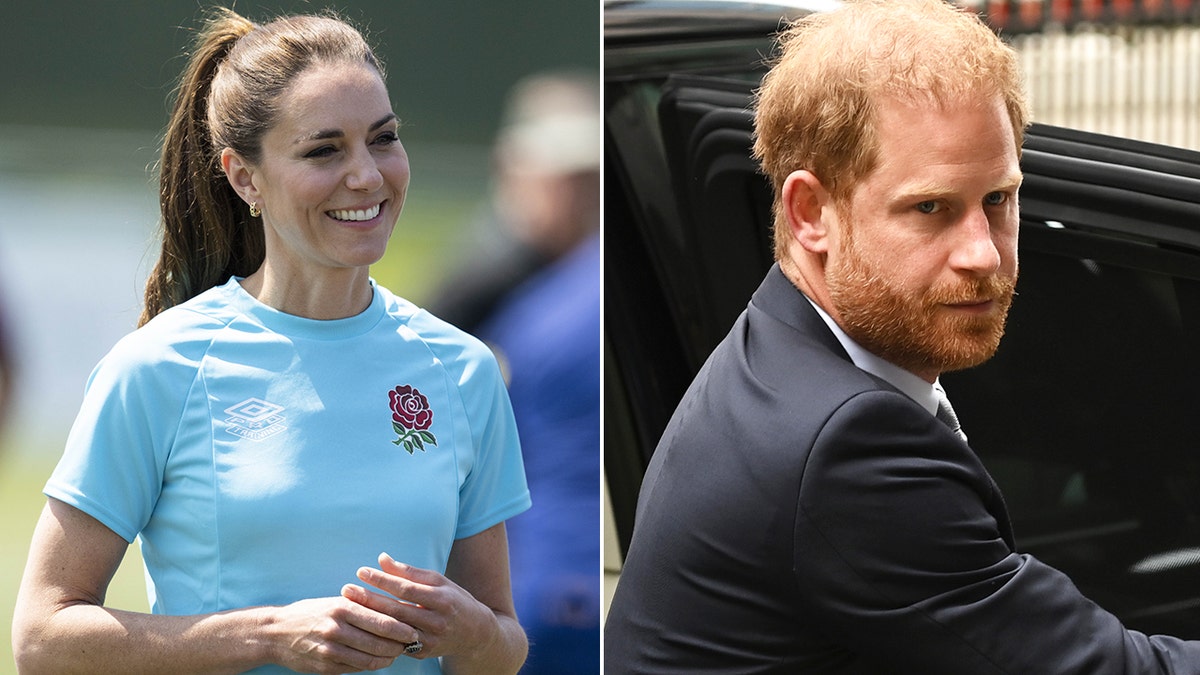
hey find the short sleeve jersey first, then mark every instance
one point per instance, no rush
(262, 458)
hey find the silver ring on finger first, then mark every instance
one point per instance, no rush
(414, 647)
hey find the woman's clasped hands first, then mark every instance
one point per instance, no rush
(445, 618)
(420, 613)
(334, 635)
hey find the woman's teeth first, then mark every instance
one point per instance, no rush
(361, 214)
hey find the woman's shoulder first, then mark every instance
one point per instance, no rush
(179, 334)
(448, 341)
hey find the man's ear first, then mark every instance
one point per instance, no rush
(807, 205)
(241, 175)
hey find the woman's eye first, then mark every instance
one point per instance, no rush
(995, 199)
(323, 151)
(929, 207)
(386, 138)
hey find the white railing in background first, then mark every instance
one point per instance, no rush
(1139, 82)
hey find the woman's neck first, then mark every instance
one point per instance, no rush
(333, 294)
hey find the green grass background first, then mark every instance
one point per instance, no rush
(432, 235)
(21, 478)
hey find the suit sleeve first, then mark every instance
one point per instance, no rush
(900, 550)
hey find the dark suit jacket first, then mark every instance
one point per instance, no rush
(803, 516)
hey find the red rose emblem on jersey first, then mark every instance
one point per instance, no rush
(410, 408)
(411, 417)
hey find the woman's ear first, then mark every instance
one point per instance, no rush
(807, 206)
(240, 174)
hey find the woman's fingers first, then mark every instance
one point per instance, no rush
(368, 630)
(403, 612)
(333, 634)
(392, 566)
(409, 584)
(447, 618)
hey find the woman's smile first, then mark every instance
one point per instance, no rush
(356, 215)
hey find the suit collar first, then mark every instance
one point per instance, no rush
(779, 298)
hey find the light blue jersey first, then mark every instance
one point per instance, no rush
(262, 458)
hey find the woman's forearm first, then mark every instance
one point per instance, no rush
(321, 635)
(87, 638)
(503, 655)
(61, 626)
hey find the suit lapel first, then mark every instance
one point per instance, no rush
(779, 299)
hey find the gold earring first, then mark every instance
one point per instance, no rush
(254, 210)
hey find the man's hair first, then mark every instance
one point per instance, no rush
(816, 108)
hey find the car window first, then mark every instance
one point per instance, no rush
(1085, 419)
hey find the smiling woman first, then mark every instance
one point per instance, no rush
(246, 433)
(330, 186)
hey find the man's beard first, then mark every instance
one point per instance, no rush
(915, 333)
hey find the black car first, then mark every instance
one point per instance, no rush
(1084, 414)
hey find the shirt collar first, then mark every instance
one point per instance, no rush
(924, 393)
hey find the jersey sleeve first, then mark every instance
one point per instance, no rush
(113, 462)
(495, 489)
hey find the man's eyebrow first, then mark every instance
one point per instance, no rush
(935, 190)
(1013, 182)
(338, 133)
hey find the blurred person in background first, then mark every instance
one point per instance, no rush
(535, 299)
(545, 194)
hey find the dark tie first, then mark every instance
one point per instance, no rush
(945, 413)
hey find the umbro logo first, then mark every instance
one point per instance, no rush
(254, 419)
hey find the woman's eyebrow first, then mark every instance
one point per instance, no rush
(338, 133)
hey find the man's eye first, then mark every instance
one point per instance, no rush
(929, 207)
(995, 199)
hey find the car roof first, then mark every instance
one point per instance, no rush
(674, 35)
(630, 21)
